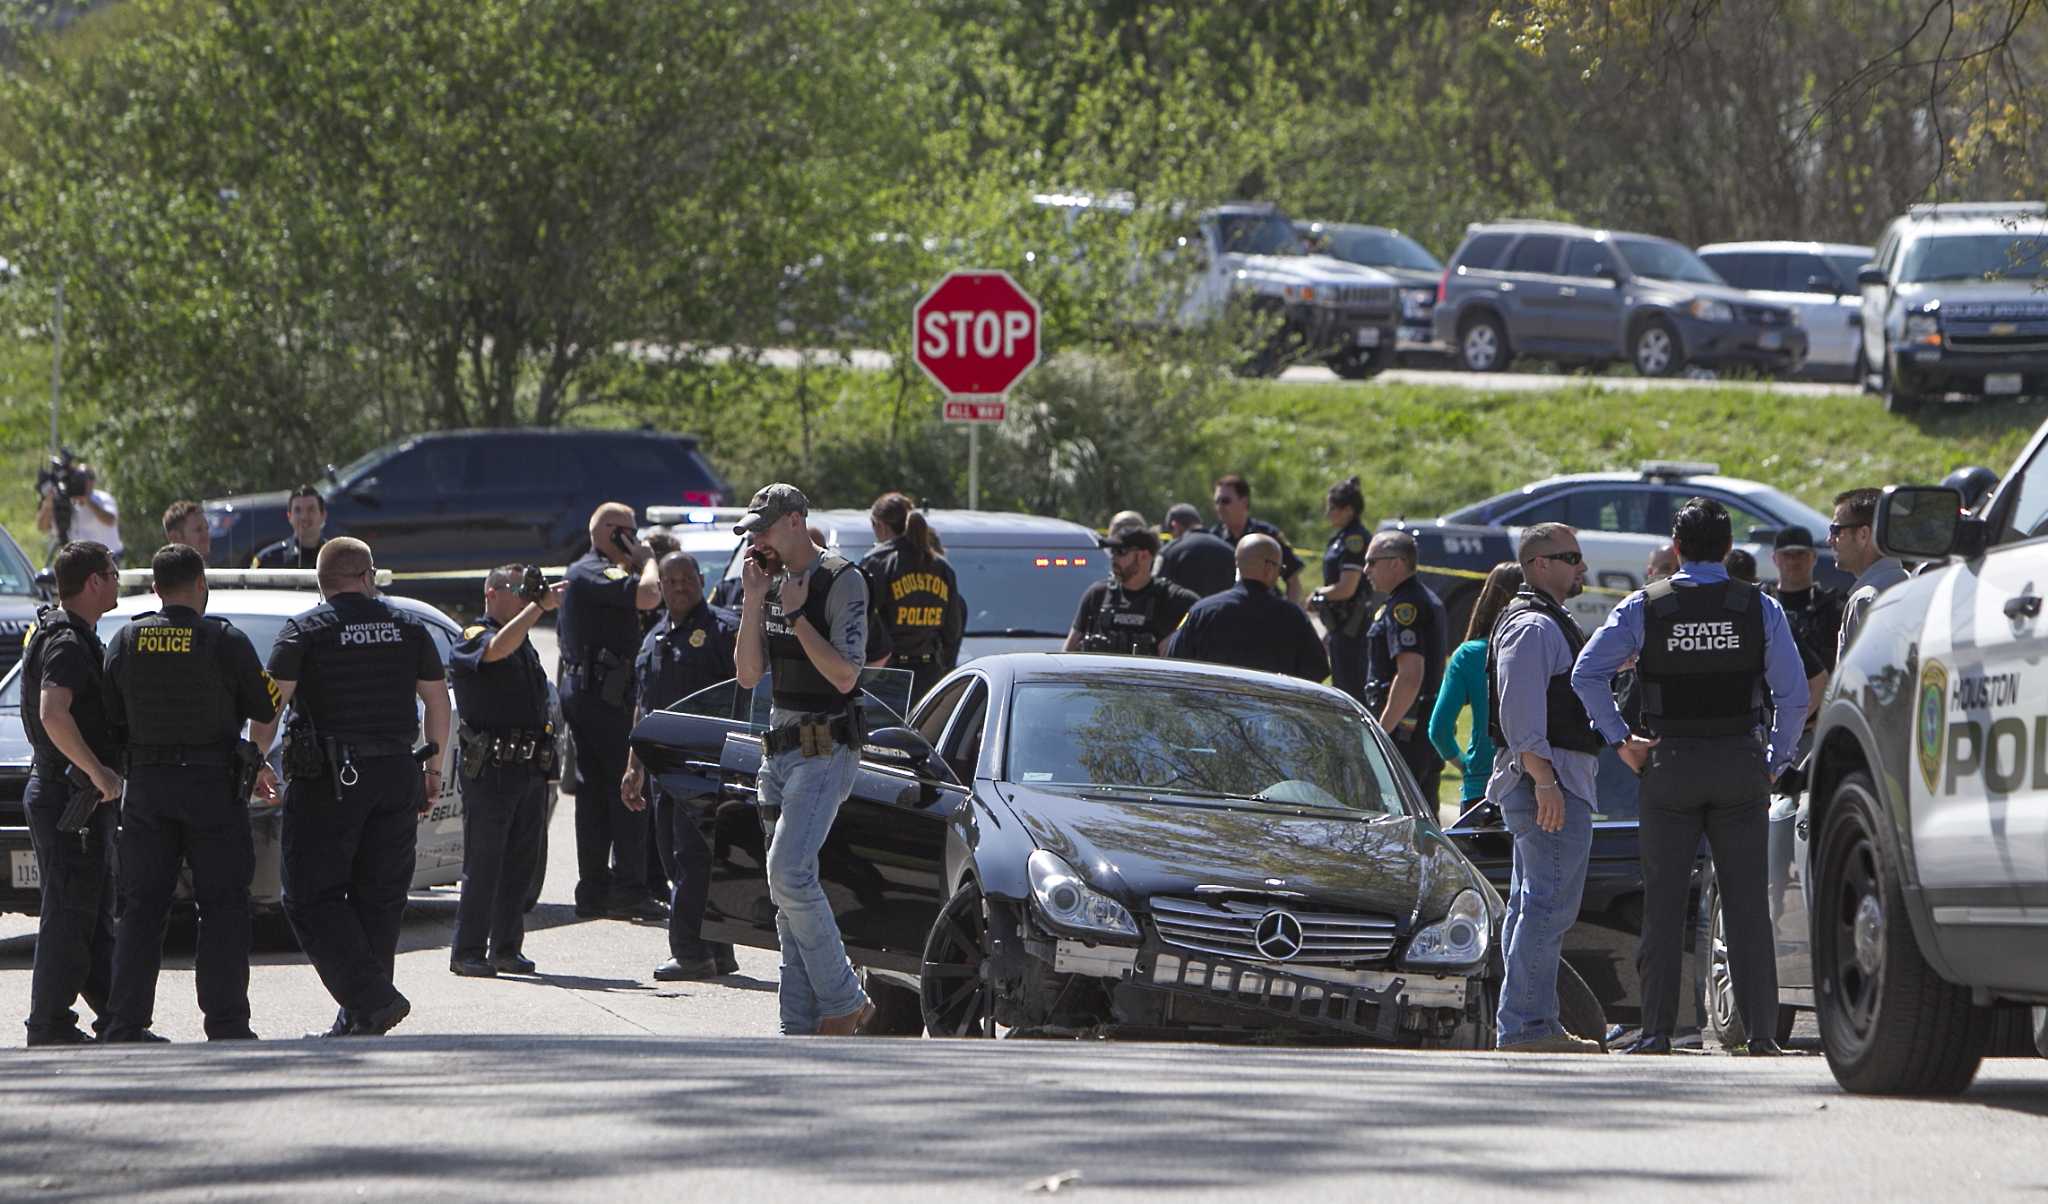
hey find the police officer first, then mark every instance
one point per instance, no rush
(599, 632)
(804, 619)
(1711, 654)
(307, 511)
(1194, 559)
(1404, 654)
(1813, 610)
(63, 688)
(183, 684)
(507, 741)
(1250, 625)
(1132, 611)
(1233, 502)
(916, 594)
(690, 648)
(355, 669)
(1344, 599)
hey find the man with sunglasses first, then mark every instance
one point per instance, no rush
(1713, 656)
(1133, 611)
(1404, 654)
(1234, 521)
(1854, 538)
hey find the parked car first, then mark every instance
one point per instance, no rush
(1022, 575)
(1246, 261)
(705, 532)
(258, 602)
(1953, 303)
(20, 598)
(1414, 269)
(1587, 297)
(1621, 517)
(477, 499)
(1815, 279)
(1075, 844)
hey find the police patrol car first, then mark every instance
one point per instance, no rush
(257, 601)
(1621, 518)
(1915, 905)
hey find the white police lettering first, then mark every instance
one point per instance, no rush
(1716, 636)
(372, 633)
(1128, 618)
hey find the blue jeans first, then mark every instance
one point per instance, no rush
(1543, 904)
(817, 979)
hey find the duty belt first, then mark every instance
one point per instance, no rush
(789, 736)
(915, 658)
(178, 754)
(508, 746)
(356, 746)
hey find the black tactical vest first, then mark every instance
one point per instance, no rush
(360, 672)
(912, 597)
(172, 684)
(1565, 723)
(1702, 663)
(798, 686)
(1123, 622)
(88, 705)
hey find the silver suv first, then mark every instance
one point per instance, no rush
(1587, 298)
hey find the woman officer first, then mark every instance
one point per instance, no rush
(1343, 597)
(915, 592)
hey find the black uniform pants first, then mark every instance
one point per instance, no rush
(1347, 662)
(347, 854)
(1718, 787)
(75, 933)
(686, 855)
(183, 814)
(611, 841)
(502, 812)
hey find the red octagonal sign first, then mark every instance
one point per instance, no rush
(976, 333)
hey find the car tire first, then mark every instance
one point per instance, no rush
(1889, 1024)
(1655, 350)
(1724, 1019)
(899, 1011)
(1358, 364)
(1899, 397)
(956, 993)
(1578, 1009)
(1483, 344)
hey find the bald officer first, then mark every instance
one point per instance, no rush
(1251, 624)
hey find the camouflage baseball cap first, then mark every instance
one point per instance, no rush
(773, 502)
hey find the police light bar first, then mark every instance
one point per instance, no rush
(694, 516)
(141, 580)
(1654, 469)
(1059, 562)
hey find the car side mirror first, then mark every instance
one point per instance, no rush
(1870, 273)
(1925, 522)
(906, 746)
(46, 583)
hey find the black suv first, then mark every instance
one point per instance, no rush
(1588, 297)
(473, 499)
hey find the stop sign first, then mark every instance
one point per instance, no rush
(976, 333)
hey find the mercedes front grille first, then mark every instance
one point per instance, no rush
(1230, 928)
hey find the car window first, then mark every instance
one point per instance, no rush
(931, 723)
(1631, 511)
(1741, 269)
(963, 743)
(2025, 516)
(1024, 591)
(1549, 510)
(1536, 253)
(1382, 249)
(522, 461)
(16, 575)
(431, 468)
(1483, 252)
(1190, 740)
(1741, 519)
(1961, 257)
(1805, 273)
(1586, 258)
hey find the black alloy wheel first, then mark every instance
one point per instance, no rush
(1889, 1023)
(955, 990)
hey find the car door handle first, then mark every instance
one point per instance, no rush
(1567, 291)
(2026, 606)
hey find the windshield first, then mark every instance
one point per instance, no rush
(1025, 591)
(347, 473)
(1847, 267)
(16, 574)
(1258, 234)
(1976, 257)
(1659, 260)
(1382, 249)
(1194, 741)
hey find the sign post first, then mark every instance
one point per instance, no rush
(975, 335)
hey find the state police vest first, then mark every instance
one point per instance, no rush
(913, 598)
(171, 682)
(1702, 663)
(798, 686)
(1565, 722)
(359, 676)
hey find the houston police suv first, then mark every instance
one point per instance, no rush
(1926, 866)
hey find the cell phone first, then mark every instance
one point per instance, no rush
(623, 540)
(763, 557)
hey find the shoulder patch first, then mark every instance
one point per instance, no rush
(472, 631)
(1404, 613)
(614, 573)
(1354, 542)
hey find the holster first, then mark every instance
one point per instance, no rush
(79, 807)
(817, 734)
(243, 769)
(476, 752)
(616, 680)
(303, 755)
(1350, 617)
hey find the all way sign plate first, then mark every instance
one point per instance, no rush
(965, 409)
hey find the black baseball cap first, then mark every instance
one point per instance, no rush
(1794, 536)
(1129, 538)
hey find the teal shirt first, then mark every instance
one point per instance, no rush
(1464, 686)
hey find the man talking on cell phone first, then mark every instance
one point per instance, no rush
(598, 628)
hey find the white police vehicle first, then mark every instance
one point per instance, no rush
(257, 601)
(1914, 907)
(1621, 518)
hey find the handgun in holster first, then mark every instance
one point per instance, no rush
(246, 765)
(617, 680)
(475, 749)
(1351, 617)
(303, 755)
(78, 808)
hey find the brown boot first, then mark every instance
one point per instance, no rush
(848, 1025)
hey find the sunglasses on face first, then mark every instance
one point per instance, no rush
(1571, 558)
(1836, 529)
(1377, 559)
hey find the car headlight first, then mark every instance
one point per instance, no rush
(1070, 903)
(1708, 310)
(1459, 939)
(1416, 302)
(1923, 328)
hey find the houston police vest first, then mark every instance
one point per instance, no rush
(913, 596)
(359, 676)
(1702, 663)
(171, 681)
(1565, 722)
(798, 686)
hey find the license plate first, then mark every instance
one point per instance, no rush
(27, 874)
(2002, 382)
(1369, 337)
(1770, 340)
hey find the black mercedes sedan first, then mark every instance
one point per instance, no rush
(1075, 844)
